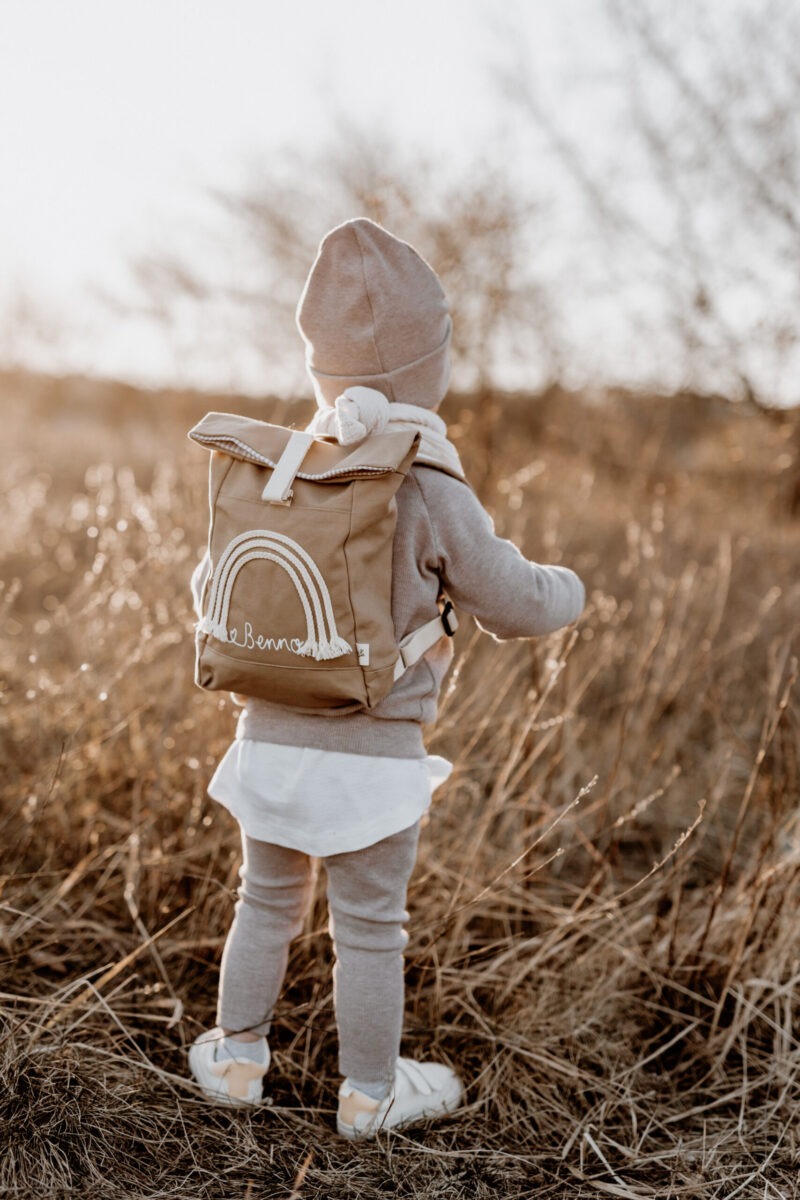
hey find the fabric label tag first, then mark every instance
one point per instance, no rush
(363, 653)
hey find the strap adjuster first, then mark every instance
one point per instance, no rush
(415, 644)
(449, 619)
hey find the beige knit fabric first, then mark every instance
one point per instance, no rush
(373, 313)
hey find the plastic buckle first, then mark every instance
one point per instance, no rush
(449, 619)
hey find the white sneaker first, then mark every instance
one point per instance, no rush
(420, 1090)
(227, 1080)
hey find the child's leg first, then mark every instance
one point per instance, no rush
(276, 890)
(366, 898)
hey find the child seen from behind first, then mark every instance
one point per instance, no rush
(348, 789)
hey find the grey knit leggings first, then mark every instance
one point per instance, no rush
(366, 908)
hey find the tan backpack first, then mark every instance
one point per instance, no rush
(297, 606)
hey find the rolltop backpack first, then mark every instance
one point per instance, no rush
(296, 607)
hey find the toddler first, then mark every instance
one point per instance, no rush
(349, 789)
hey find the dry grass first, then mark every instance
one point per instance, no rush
(604, 912)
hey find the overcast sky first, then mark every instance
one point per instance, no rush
(117, 114)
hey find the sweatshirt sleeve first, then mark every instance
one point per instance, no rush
(486, 575)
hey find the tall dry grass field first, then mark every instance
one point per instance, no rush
(604, 916)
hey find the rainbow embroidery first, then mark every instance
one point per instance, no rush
(322, 638)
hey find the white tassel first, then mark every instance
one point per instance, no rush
(213, 629)
(331, 649)
(324, 650)
(339, 647)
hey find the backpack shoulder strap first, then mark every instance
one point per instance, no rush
(415, 644)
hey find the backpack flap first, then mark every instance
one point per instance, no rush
(297, 608)
(249, 440)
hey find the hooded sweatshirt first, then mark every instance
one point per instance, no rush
(373, 313)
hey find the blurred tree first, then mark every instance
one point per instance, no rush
(475, 226)
(725, 146)
(32, 330)
(721, 138)
(695, 198)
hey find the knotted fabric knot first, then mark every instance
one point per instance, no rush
(358, 412)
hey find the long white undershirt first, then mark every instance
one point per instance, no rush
(323, 801)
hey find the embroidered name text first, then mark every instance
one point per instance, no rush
(257, 641)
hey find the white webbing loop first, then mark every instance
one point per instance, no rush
(279, 486)
(415, 644)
